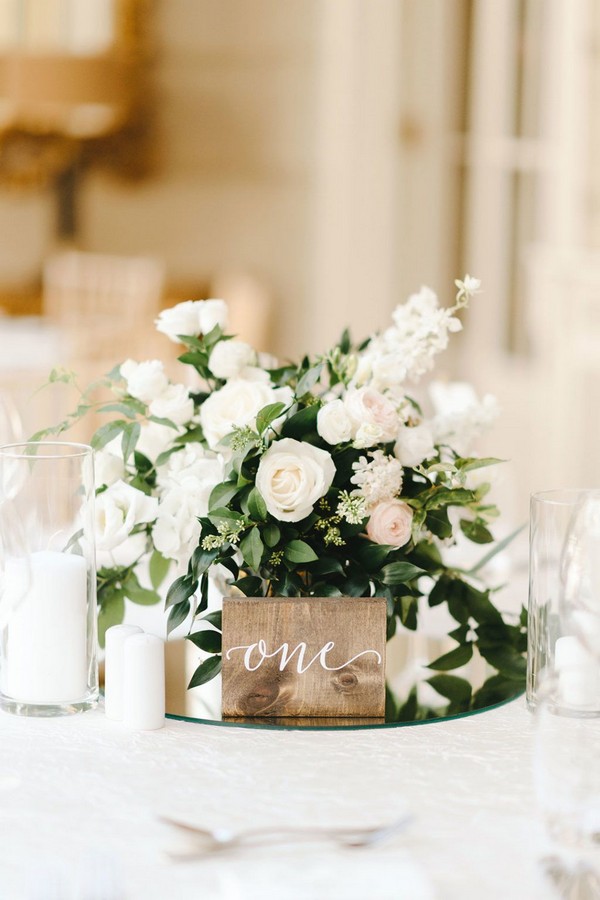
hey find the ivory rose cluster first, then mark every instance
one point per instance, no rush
(147, 381)
(237, 403)
(192, 317)
(364, 415)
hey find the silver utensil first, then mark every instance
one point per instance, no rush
(205, 841)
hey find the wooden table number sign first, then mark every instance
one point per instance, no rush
(304, 656)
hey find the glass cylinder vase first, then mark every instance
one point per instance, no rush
(48, 656)
(564, 597)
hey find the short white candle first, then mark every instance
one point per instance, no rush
(578, 673)
(113, 668)
(46, 632)
(144, 682)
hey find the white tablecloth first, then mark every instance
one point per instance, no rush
(79, 799)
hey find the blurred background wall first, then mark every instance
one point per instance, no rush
(314, 161)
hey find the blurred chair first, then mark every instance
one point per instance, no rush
(106, 304)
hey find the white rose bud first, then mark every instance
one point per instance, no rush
(118, 510)
(292, 476)
(212, 313)
(368, 435)
(174, 403)
(390, 523)
(145, 380)
(229, 358)
(334, 424)
(414, 445)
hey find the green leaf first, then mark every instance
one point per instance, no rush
(456, 658)
(476, 531)
(206, 671)
(177, 615)
(440, 590)
(271, 535)
(408, 611)
(470, 463)
(249, 585)
(137, 594)
(326, 565)
(501, 545)
(372, 556)
(256, 505)
(267, 415)
(448, 497)
(214, 618)
(112, 612)
(507, 660)
(209, 641)
(457, 690)
(221, 494)
(180, 591)
(400, 572)
(438, 523)
(301, 423)
(481, 607)
(158, 568)
(309, 379)
(202, 560)
(131, 433)
(107, 433)
(299, 552)
(160, 420)
(130, 408)
(251, 547)
(495, 690)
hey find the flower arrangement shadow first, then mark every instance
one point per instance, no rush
(323, 478)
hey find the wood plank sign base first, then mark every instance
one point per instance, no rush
(304, 657)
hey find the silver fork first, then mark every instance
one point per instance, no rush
(206, 841)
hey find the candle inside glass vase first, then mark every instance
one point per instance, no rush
(48, 660)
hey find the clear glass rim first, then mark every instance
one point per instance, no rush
(562, 496)
(49, 450)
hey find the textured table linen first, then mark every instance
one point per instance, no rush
(80, 796)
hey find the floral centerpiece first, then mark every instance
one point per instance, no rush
(323, 478)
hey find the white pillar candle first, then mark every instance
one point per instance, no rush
(144, 682)
(46, 631)
(578, 673)
(113, 668)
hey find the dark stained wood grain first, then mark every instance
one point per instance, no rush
(333, 684)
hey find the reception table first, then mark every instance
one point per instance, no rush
(80, 800)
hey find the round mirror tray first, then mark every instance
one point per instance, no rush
(410, 699)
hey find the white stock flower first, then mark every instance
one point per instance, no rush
(390, 523)
(292, 476)
(414, 445)
(378, 478)
(108, 467)
(145, 380)
(118, 510)
(191, 318)
(460, 417)
(237, 404)
(174, 403)
(334, 424)
(229, 358)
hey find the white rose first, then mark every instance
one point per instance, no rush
(414, 445)
(334, 424)
(177, 530)
(145, 380)
(174, 403)
(390, 523)
(368, 435)
(154, 439)
(212, 313)
(124, 554)
(236, 403)
(292, 476)
(118, 510)
(229, 358)
(182, 319)
(366, 406)
(108, 467)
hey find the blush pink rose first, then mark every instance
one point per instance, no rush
(368, 406)
(390, 523)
